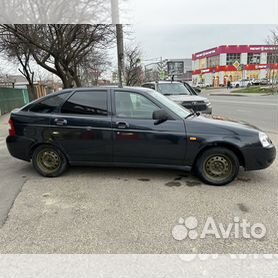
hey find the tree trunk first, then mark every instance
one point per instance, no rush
(31, 92)
(77, 81)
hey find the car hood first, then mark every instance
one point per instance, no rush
(221, 125)
(182, 98)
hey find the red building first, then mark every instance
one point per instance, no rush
(215, 66)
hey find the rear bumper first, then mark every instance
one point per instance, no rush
(259, 158)
(19, 147)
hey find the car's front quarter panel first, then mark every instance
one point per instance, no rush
(202, 133)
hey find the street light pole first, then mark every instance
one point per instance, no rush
(115, 11)
(120, 51)
(120, 39)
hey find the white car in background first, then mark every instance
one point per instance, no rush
(201, 85)
(241, 83)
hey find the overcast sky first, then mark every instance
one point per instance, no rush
(182, 40)
(205, 11)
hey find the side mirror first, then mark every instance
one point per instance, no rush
(160, 116)
(198, 90)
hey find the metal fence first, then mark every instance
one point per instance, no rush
(12, 98)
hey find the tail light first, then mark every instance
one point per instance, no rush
(12, 129)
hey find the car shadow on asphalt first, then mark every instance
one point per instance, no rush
(169, 177)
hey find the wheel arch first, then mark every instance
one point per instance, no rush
(232, 147)
(46, 144)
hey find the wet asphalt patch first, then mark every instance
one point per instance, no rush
(243, 207)
(144, 179)
(177, 182)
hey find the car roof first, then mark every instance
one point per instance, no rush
(125, 88)
(162, 82)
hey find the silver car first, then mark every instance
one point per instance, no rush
(177, 92)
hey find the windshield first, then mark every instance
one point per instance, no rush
(173, 89)
(177, 109)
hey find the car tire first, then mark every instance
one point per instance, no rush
(49, 161)
(217, 166)
(237, 86)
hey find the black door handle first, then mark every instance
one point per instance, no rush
(60, 122)
(122, 125)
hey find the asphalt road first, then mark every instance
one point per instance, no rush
(261, 111)
(104, 210)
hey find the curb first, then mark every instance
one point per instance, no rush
(228, 95)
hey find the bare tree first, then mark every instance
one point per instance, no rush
(23, 56)
(272, 40)
(60, 11)
(133, 68)
(20, 54)
(60, 49)
(93, 67)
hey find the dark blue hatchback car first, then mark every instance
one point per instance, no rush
(132, 127)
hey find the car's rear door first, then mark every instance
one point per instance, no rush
(137, 139)
(82, 128)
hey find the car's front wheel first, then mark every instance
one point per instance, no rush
(49, 161)
(217, 166)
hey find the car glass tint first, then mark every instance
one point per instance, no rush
(132, 105)
(50, 104)
(87, 102)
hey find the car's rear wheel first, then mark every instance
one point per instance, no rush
(217, 166)
(49, 161)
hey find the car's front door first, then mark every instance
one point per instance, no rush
(83, 127)
(136, 137)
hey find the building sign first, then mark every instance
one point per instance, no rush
(175, 67)
(205, 71)
(263, 48)
(261, 66)
(206, 53)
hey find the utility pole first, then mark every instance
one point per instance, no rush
(120, 51)
(115, 11)
(120, 39)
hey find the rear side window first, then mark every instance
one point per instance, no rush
(87, 102)
(49, 105)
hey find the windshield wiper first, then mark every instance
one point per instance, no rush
(192, 114)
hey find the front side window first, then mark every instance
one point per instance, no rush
(87, 103)
(50, 104)
(132, 105)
